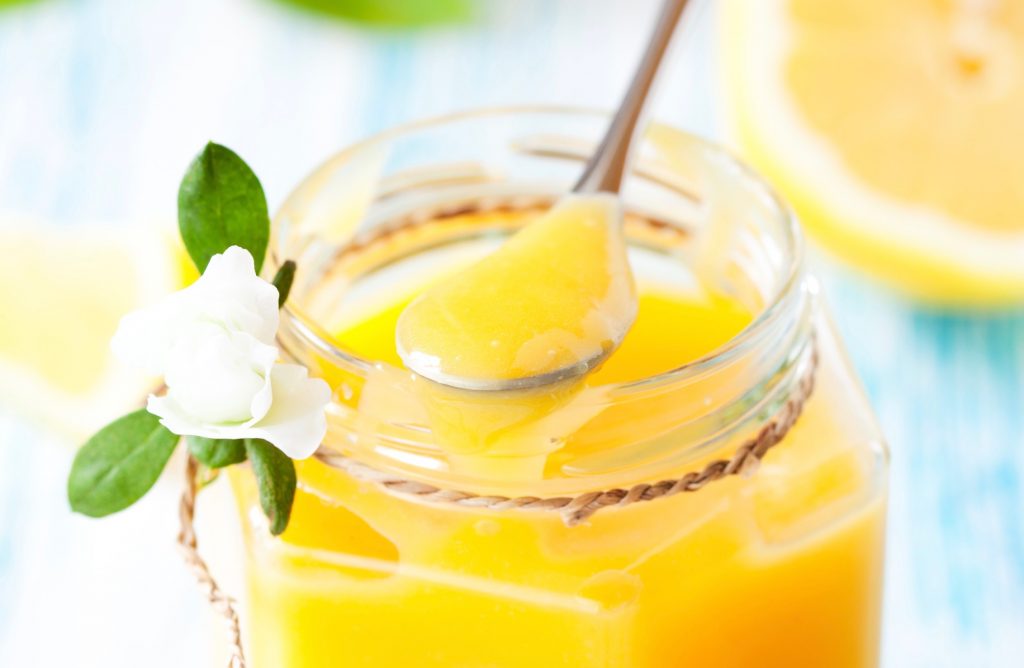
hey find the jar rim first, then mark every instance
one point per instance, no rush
(753, 333)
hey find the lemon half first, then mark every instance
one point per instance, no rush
(63, 290)
(894, 128)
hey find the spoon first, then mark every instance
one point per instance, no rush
(607, 167)
(475, 332)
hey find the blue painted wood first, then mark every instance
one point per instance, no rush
(949, 390)
(103, 103)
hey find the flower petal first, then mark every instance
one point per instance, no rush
(230, 291)
(262, 400)
(296, 422)
(181, 423)
(144, 338)
(216, 375)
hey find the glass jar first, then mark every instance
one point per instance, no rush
(726, 513)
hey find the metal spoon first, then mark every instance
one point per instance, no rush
(607, 167)
(603, 173)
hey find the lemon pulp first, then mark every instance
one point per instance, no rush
(891, 128)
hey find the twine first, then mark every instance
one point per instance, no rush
(573, 509)
(576, 509)
(222, 604)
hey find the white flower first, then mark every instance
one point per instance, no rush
(213, 343)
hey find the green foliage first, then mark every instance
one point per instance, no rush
(14, 3)
(216, 453)
(407, 13)
(221, 204)
(275, 478)
(283, 280)
(119, 464)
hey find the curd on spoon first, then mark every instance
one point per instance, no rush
(552, 303)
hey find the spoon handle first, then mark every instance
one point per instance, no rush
(607, 167)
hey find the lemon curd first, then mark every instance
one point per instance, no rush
(780, 566)
(556, 295)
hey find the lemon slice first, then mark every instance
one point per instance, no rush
(893, 129)
(63, 290)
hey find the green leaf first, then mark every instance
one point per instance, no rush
(221, 204)
(119, 464)
(283, 281)
(216, 453)
(275, 478)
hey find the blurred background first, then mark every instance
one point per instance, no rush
(895, 128)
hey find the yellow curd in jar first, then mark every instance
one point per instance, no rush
(779, 569)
